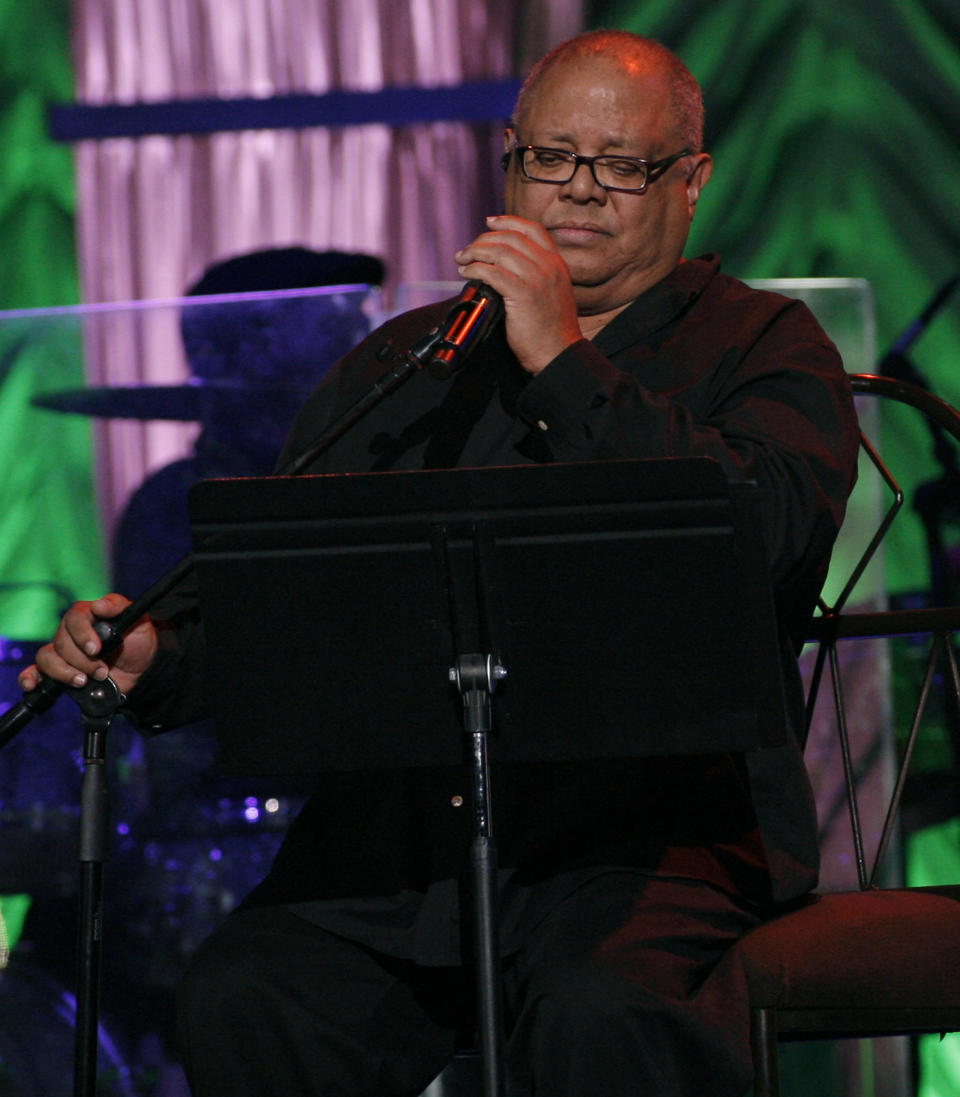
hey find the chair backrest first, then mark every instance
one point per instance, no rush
(841, 618)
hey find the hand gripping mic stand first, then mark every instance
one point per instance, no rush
(99, 701)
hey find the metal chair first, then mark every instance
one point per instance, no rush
(872, 961)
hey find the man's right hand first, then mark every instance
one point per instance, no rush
(521, 262)
(72, 657)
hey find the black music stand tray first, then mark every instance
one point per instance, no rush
(624, 607)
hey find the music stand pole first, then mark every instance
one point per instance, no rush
(476, 678)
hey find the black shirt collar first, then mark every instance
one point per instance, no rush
(659, 305)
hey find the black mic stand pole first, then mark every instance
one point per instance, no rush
(895, 363)
(932, 498)
(99, 702)
(98, 706)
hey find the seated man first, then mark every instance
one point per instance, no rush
(622, 883)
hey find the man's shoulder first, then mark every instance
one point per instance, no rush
(697, 296)
(760, 294)
(745, 305)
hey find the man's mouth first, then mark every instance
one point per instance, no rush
(575, 232)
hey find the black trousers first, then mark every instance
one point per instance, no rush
(613, 994)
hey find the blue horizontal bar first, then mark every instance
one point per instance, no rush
(488, 101)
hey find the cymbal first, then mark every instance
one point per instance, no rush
(193, 401)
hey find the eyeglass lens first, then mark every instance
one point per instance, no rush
(555, 166)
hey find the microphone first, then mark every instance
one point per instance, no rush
(915, 329)
(467, 324)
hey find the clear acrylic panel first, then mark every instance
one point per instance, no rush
(212, 383)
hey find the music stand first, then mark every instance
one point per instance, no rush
(627, 599)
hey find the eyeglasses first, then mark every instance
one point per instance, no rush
(625, 173)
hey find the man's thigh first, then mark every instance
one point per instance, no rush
(273, 1004)
(617, 984)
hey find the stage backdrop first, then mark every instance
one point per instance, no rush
(835, 129)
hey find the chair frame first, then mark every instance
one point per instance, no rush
(769, 1025)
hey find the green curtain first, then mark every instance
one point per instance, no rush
(36, 177)
(50, 541)
(835, 127)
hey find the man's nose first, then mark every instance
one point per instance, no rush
(583, 186)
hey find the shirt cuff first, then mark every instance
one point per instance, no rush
(558, 400)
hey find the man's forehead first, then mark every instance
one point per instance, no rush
(600, 84)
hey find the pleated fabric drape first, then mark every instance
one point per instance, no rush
(154, 212)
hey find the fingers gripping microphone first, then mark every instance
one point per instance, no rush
(467, 324)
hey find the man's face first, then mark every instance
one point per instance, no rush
(616, 245)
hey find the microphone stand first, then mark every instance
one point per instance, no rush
(896, 363)
(99, 702)
(933, 498)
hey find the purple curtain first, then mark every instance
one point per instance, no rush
(154, 212)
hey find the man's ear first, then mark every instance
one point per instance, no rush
(698, 179)
(509, 137)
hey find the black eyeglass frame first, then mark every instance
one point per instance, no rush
(653, 168)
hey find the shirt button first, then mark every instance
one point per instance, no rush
(542, 425)
(456, 801)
